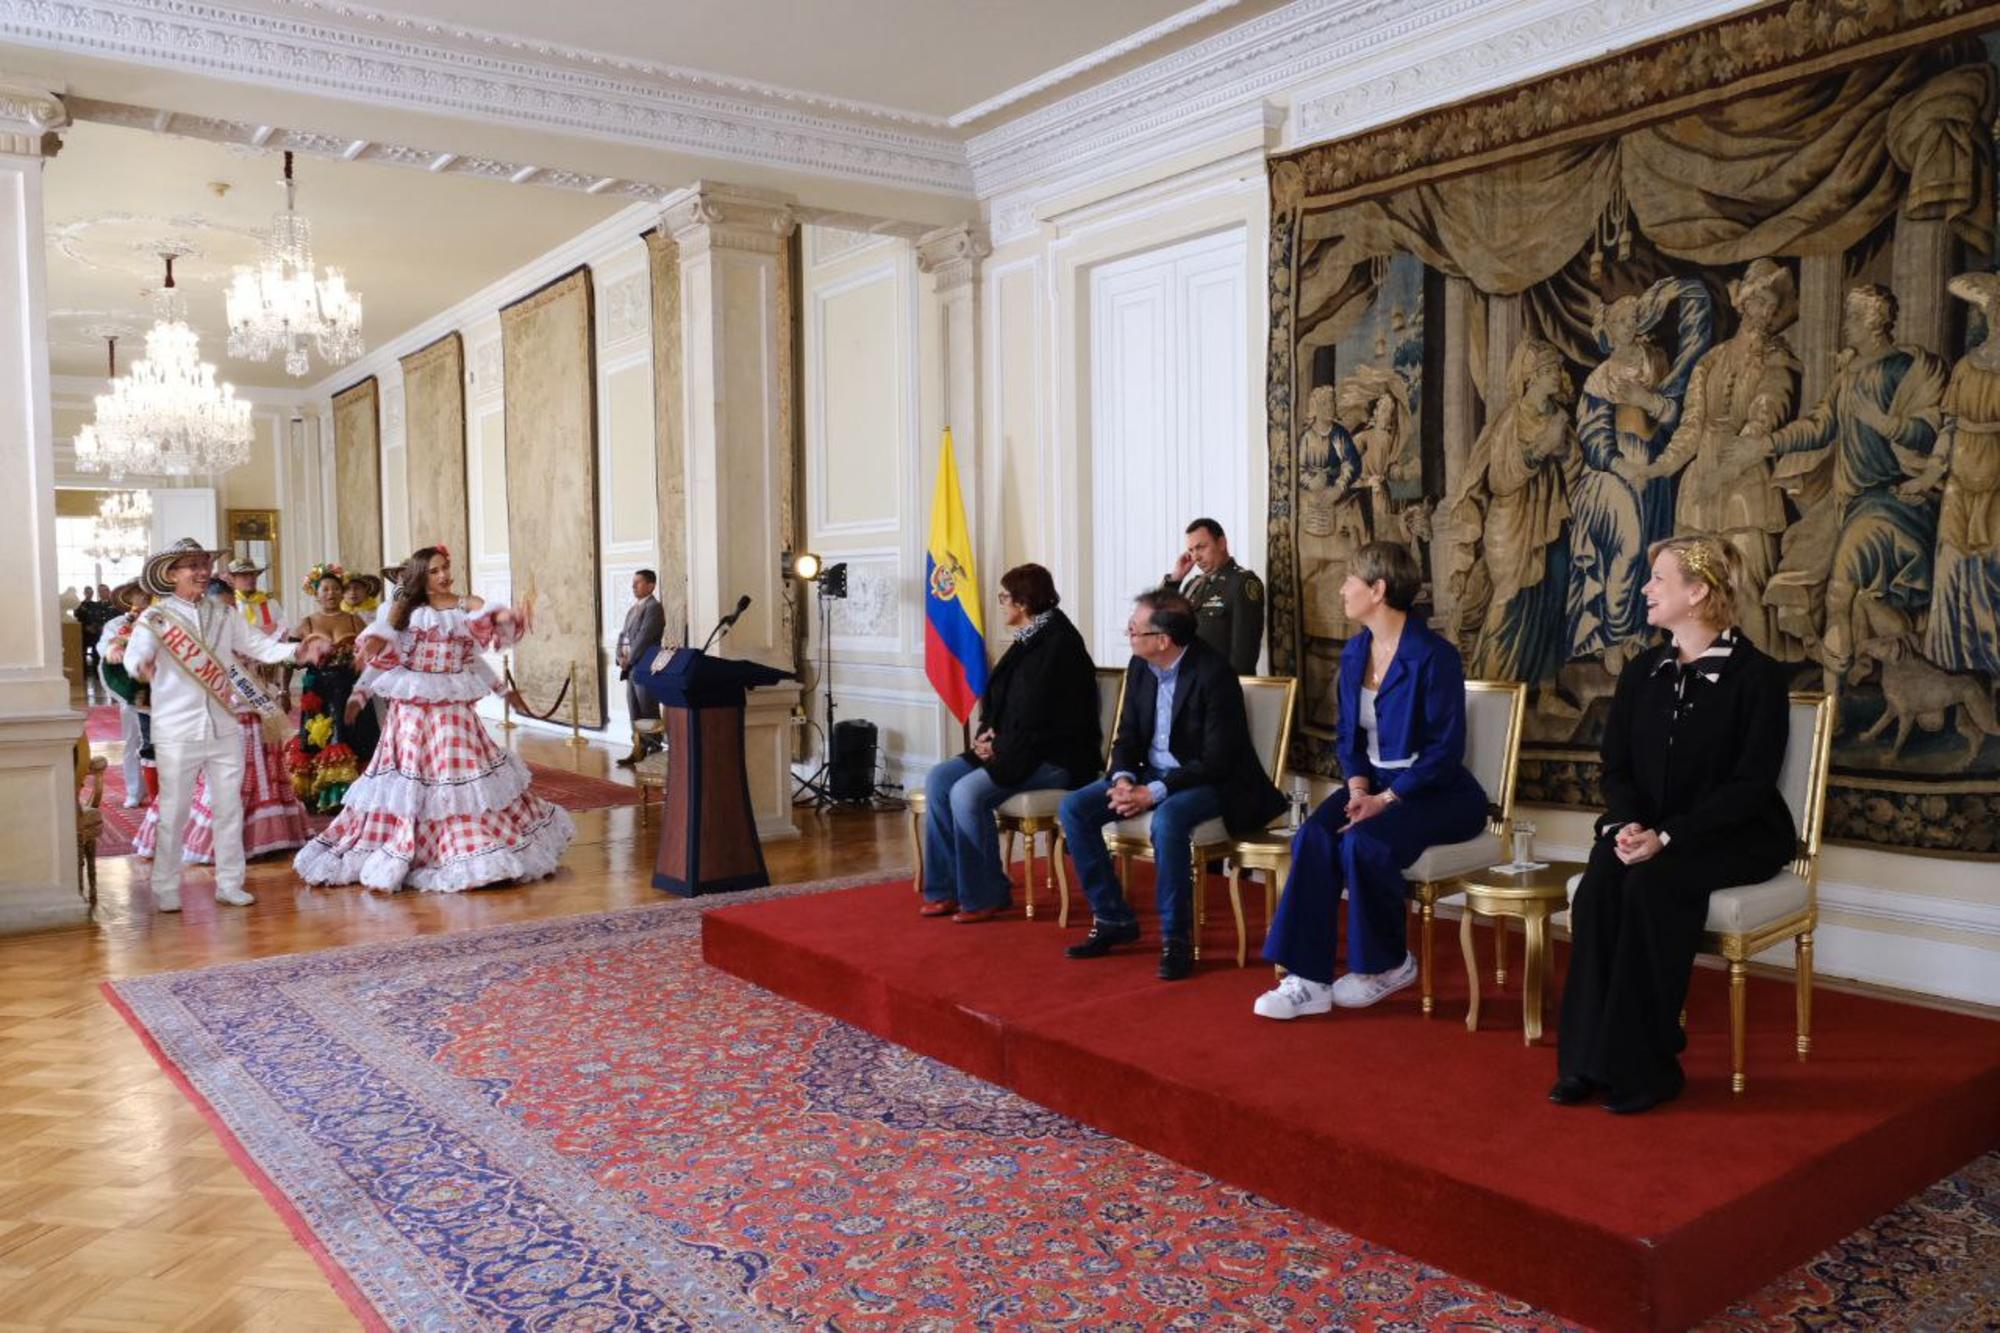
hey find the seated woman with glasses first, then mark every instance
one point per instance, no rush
(1038, 728)
(1402, 747)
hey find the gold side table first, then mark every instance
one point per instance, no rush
(1531, 895)
(1269, 851)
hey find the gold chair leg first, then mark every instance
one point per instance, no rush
(1236, 906)
(1466, 945)
(1739, 989)
(1426, 916)
(1804, 967)
(1499, 951)
(1028, 876)
(917, 849)
(1058, 852)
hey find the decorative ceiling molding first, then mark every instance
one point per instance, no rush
(1083, 64)
(249, 137)
(576, 92)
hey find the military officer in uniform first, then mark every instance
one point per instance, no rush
(1228, 599)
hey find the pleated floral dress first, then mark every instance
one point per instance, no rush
(441, 807)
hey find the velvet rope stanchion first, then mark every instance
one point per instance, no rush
(576, 740)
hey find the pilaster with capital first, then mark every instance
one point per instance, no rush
(739, 449)
(38, 871)
(951, 257)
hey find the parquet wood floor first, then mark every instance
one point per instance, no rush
(118, 1207)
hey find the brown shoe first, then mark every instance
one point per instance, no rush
(945, 908)
(974, 918)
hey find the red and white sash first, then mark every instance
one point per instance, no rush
(226, 682)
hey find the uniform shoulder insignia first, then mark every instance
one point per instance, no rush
(1253, 587)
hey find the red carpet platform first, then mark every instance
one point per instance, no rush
(1411, 1132)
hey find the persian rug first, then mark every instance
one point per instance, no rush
(578, 1124)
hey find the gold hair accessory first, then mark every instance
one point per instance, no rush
(1699, 560)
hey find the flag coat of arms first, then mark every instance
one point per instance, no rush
(954, 635)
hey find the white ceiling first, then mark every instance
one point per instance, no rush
(931, 57)
(411, 243)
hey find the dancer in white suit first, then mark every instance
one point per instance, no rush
(187, 646)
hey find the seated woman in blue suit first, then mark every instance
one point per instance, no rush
(1402, 747)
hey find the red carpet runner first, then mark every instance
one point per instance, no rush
(1413, 1132)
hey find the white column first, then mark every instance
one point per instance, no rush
(736, 338)
(38, 729)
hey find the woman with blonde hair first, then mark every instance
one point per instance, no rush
(1691, 757)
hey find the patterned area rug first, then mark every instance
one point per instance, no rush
(571, 791)
(577, 1124)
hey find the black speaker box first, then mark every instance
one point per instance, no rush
(851, 775)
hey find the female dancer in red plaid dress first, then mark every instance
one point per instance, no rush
(441, 807)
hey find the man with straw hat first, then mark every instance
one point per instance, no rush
(187, 645)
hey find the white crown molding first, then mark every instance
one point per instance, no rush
(1083, 64)
(1359, 62)
(458, 72)
(312, 143)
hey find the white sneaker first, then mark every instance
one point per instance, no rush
(1294, 998)
(234, 897)
(1357, 990)
(133, 802)
(170, 901)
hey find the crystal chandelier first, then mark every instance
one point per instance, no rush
(278, 307)
(95, 453)
(122, 532)
(171, 404)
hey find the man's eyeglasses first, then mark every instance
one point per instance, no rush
(1134, 632)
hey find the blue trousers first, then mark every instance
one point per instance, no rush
(1367, 859)
(961, 841)
(1084, 815)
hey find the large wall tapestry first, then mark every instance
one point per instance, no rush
(434, 417)
(1736, 282)
(357, 475)
(551, 413)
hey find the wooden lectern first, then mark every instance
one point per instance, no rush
(708, 834)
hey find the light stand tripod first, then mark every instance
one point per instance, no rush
(830, 584)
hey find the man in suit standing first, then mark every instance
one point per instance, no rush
(645, 627)
(1228, 599)
(1182, 752)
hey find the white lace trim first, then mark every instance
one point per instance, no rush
(373, 867)
(392, 792)
(432, 687)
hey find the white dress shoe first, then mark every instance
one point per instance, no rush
(234, 897)
(168, 902)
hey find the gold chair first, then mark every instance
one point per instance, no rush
(1034, 812)
(1493, 713)
(89, 818)
(649, 774)
(1269, 701)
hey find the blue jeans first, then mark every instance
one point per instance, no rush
(961, 841)
(1367, 859)
(1084, 815)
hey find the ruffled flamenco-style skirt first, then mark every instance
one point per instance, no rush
(441, 808)
(273, 818)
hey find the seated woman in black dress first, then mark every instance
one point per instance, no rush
(1038, 728)
(1692, 753)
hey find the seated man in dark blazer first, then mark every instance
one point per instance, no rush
(1183, 751)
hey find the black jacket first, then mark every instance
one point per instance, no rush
(1041, 702)
(1719, 777)
(1210, 737)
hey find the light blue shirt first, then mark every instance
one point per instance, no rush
(1160, 756)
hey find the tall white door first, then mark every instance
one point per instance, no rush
(184, 511)
(1169, 440)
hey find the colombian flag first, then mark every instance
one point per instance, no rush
(954, 638)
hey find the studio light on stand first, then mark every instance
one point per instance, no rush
(846, 774)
